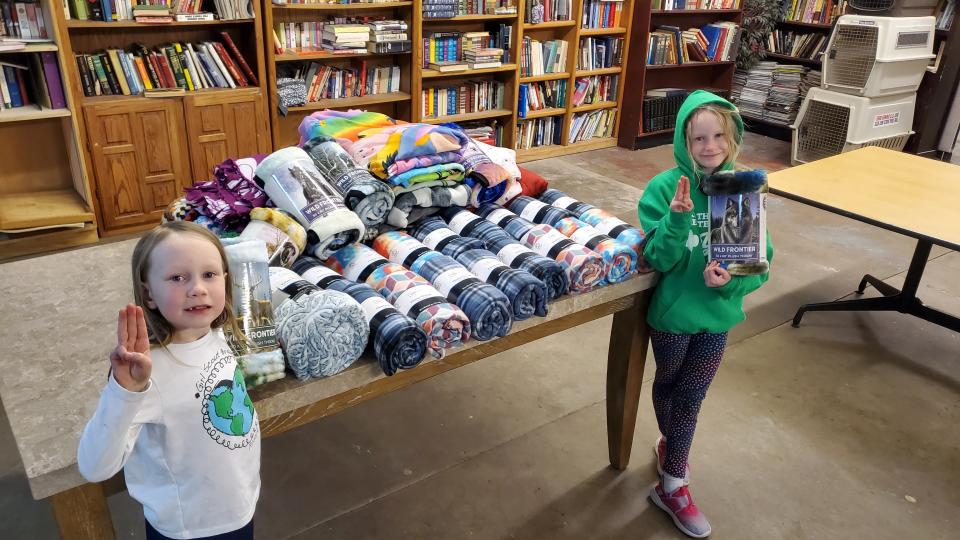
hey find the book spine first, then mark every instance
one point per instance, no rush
(85, 81)
(239, 57)
(235, 72)
(105, 88)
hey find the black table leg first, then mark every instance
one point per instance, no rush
(903, 300)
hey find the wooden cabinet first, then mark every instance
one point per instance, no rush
(139, 161)
(221, 127)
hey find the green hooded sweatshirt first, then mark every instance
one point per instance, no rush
(677, 246)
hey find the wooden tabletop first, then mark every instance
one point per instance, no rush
(912, 195)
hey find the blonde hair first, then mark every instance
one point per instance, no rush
(160, 330)
(728, 123)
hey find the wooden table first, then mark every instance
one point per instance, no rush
(904, 193)
(53, 363)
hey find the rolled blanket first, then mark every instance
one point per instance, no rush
(285, 238)
(344, 126)
(487, 308)
(258, 353)
(480, 166)
(585, 269)
(293, 182)
(445, 325)
(397, 341)
(431, 197)
(322, 332)
(538, 212)
(442, 171)
(603, 221)
(369, 197)
(620, 259)
(509, 250)
(527, 294)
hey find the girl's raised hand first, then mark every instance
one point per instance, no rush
(130, 360)
(681, 199)
(715, 276)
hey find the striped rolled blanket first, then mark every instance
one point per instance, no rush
(369, 197)
(585, 269)
(428, 200)
(603, 221)
(487, 308)
(620, 259)
(397, 341)
(527, 294)
(294, 184)
(533, 210)
(445, 324)
(321, 332)
(509, 250)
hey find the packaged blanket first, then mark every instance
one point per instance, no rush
(738, 220)
(397, 341)
(285, 238)
(445, 324)
(486, 306)
(322, 332)
(294, 184)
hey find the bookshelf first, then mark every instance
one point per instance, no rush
(45, 197)
(140, 152)
(394, 104)
(715, 75)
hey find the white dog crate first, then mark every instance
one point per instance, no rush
(830, 123)
(878, 56)
(893, 8)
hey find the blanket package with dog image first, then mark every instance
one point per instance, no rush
(738, 220)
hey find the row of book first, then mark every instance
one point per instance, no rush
(158, 11)
(541, 95)
(601, 13)
(600, 52)
(542, 57)
(457, 51)
(660, 107)
(799, 45)
(469, 97)
(191, 66)
(585, 126)
(679, 5)
(31, 79)
(22, 21)
(716, 42)
(327, 2)
(536, 132)
(343, 37)
(813, 11)
(590, 90)
(540, 11)
(945, 13)
(330, 82)
(445, 9)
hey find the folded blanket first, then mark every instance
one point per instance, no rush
(285, 238)
(397, 341)
(408, 141)
(585, 269)
(321, 332)
(401, 166)
(620, 259)
(538, 212)
(509, 250)
(442, 171)
(368, 197)
(527, 294)
(433, 197)
(294, 184)
(487, 308)
(344, 126)
(603, 221)
(445, 325)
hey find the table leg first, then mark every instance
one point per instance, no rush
(82, 513)
(904, 301)
(625, 362)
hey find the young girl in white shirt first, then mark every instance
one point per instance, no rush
(175, 413)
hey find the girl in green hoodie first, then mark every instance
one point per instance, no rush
(696, 302)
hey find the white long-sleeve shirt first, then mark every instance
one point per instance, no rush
(189, 444)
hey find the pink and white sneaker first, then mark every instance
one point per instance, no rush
(660, 449)
(679, 506)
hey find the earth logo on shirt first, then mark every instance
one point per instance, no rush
(228, 414)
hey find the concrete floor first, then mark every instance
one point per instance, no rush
(843, 428)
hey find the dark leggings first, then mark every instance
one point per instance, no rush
(243, 533)
(686, 364)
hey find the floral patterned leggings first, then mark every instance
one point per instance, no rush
(686, 365)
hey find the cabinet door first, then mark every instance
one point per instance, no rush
(224, 125)
(138, 159)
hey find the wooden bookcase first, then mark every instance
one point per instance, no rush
(141, 152)
(45, 197)
(691, 75)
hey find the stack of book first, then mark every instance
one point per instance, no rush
(440, 9)
(660, 107)
(601, 13)
(32, 81)
(539, 132)
(191, 66)
(538, 96)
(152, 13)
(783, 100)
(588, 125)
(600, 52)
(345, 37)
(388, 36)
(490, 133)
(469, 97)
(542, 57)
(756, 88)
(23, 21)
(483, 58)
(589, 90)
